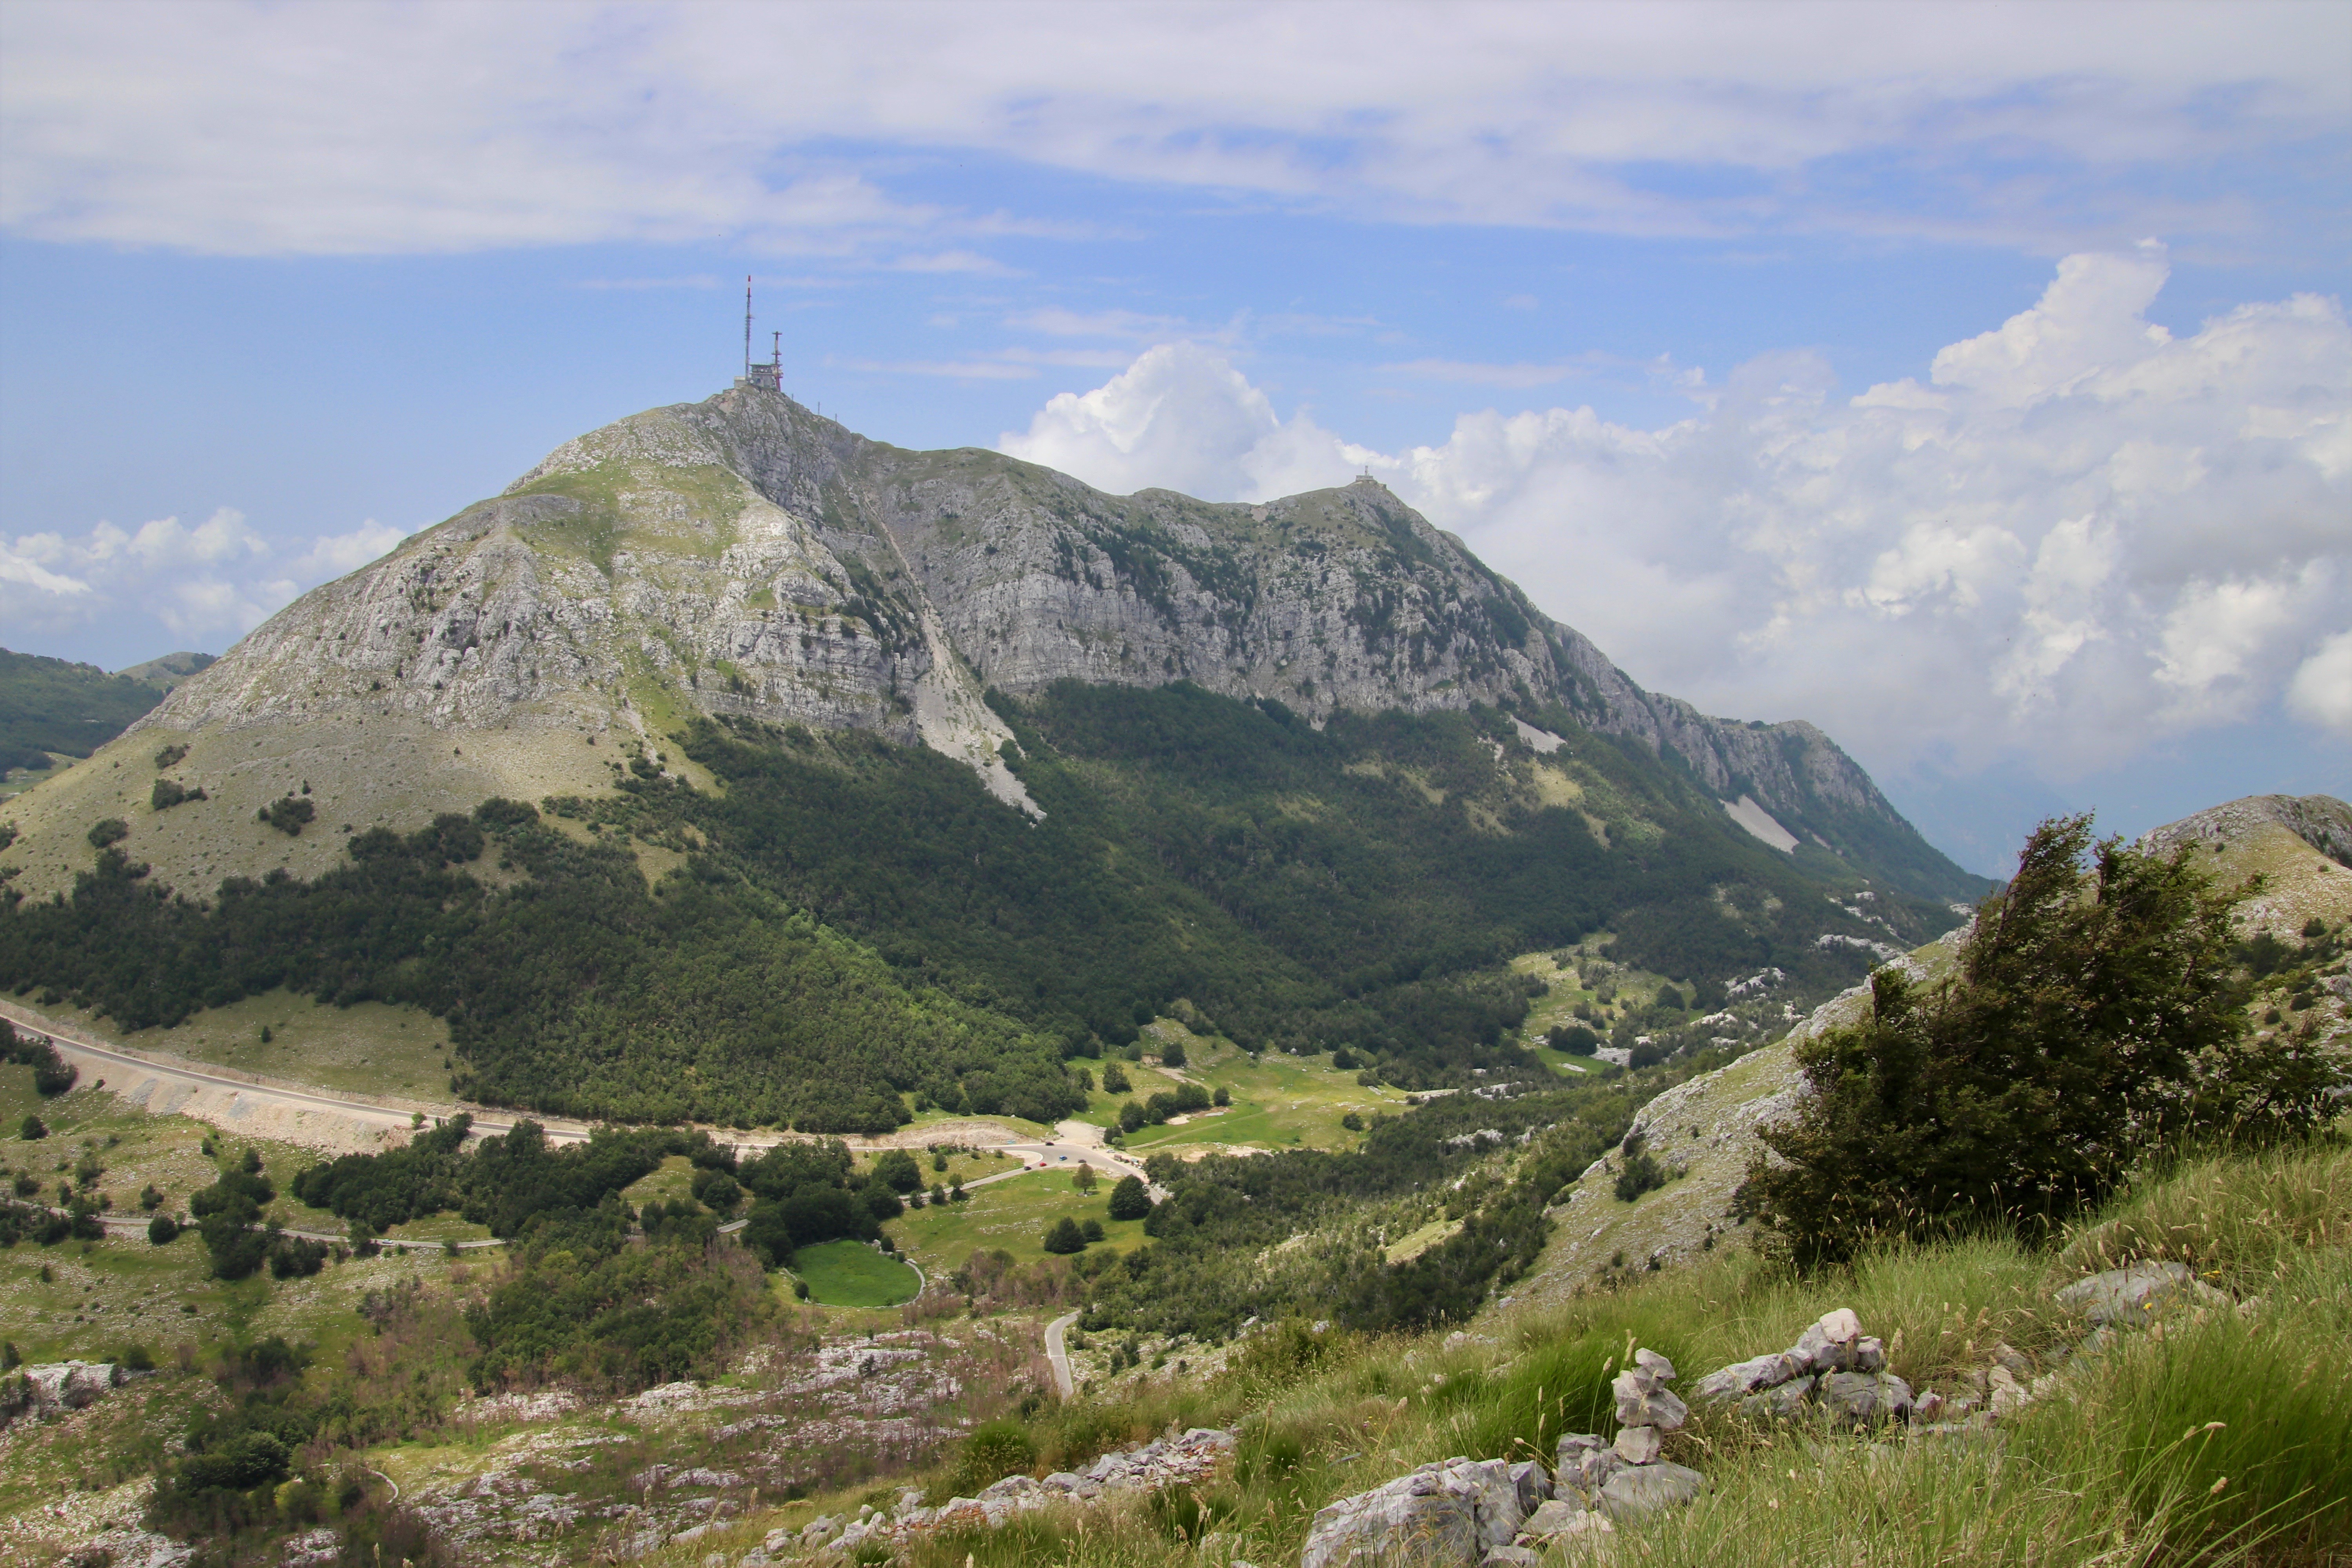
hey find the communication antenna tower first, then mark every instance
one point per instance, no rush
(776, 358)
(747, 326)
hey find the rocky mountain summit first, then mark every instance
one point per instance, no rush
(744, 557)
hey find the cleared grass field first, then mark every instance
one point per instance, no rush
(1011, 1216)
(851, 1273)
(1279, 1101)
(135, 1149)
(369, 1048)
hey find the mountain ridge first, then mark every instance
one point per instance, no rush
(745, 557)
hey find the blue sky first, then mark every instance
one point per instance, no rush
(1972, 380)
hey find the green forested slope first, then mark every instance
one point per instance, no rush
(859, 929)
(50, 705)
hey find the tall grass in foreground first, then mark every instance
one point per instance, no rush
(2221, 1440)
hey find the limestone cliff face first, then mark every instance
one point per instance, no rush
(743, 555)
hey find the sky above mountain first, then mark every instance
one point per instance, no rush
(1972, 380)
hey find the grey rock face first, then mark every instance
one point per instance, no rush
(1780, 1401)
(2138, 1293)
(1631, 1493)
(1864, 1398)
(742, 556)
(1451, 1512)
(1652, 1406)
(1743, 1378)
(1637, 1445)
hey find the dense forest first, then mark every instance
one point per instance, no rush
(52, 705)
(859, 932)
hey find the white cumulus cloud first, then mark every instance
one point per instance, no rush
(203, 587)
(2078, 536)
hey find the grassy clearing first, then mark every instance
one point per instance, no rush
(2225, 1439)
(1280, 1101)
(851, 1273)
(136, 1150)
(1010, 1216)
(369, 1048)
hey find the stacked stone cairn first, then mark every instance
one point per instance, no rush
(1496, 1513)
(1833, 1370)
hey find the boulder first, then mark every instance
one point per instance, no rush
(1865, 1398)
(1781, 1402)
(1829, 1344)
(1641, 1402)
(1513, 1557)
(1651, 1365)
(1451, 1512)
(1642, 1490)
(1583, 1463)
(1533, 1486)
(1743, 1378)
(1552, 1518)
(2138, 1293)
(1637, 1445)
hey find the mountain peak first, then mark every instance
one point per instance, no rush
(745, 557)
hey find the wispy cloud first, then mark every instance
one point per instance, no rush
(252, 128)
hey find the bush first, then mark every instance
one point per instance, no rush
(1129, 1200)
(2067, 1041)
(108, 830)
(1343, 1059)
(896, 1168)
(1114, 1079)
(31, 1129)
(994, 1451)
(1574, 1039)
(1064, 1237)
(169, 793)
(1092, 1230)
(1171, 1053)
(1352, 1122)
(288, 814)
(162, 1230)
(1223, 1096)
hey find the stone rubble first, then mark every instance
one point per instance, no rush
(1493, 1513)
(36, 1392)
(1163, 1462)
(1833, 1368)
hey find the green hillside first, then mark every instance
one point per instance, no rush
(859, 933)
(50, 705)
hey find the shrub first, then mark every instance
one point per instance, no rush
(994, 1451)
(1129, 1200)
(1344, 1060)
(32, 1127)
(2066, 1041)
(1352, 1122)
(170, 756)
(162, 1230)
(1114, 1080)
(169, 793)
(1092, 1230)
(1064, 1237)
(1171, 1053)
(896, 1168)
(1223, 1096)
(108, 830)
(288, 814)
(1574, 1039)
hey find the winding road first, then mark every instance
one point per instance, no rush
(1057, 1355)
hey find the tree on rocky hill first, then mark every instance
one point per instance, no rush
(2083, 1026)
